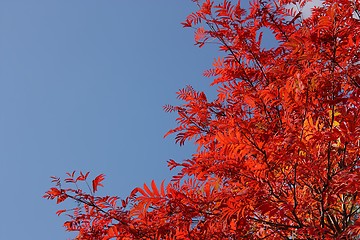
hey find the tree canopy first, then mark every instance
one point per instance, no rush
(278, 150)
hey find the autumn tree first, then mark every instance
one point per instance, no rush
(278, 150)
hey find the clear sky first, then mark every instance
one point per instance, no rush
(82, 85)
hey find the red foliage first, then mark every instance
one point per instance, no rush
(278, 150)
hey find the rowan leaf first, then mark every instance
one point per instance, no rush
(97, 182)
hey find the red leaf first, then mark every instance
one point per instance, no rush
(155, 189)
(61, 198)
(162, 189)
(59, 212)
(97, 182)
(82, 177)
(53, 192)
(147, 189)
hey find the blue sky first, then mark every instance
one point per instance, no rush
(82, 85)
